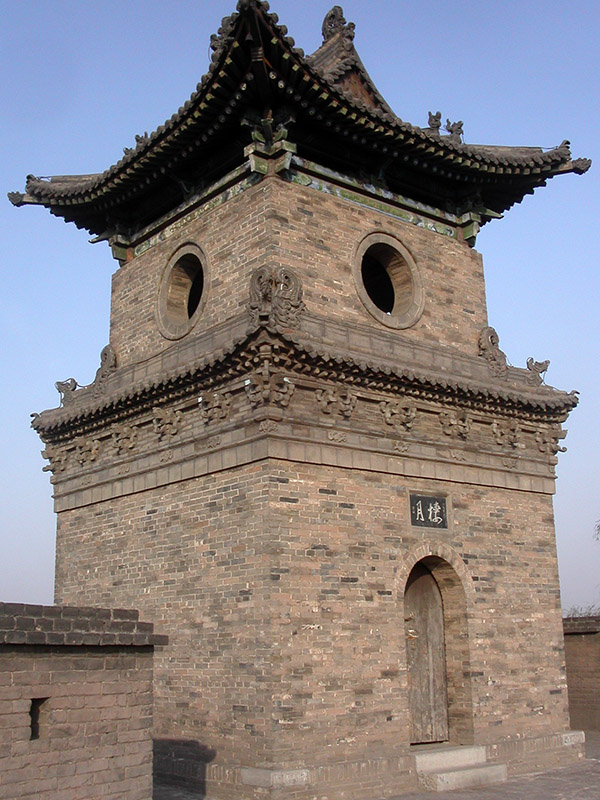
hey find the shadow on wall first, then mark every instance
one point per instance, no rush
(182, 762)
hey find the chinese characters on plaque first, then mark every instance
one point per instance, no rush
(427, 511)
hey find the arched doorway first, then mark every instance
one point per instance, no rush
(426, 657)
(438, 654)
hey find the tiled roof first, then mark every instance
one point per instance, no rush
(335, 109)
(130, 394)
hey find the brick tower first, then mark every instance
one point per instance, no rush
(304, 454)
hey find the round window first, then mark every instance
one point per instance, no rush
(182, 292)
(388, 281)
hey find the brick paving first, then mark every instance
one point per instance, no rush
(579, 782)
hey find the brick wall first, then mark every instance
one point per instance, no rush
(281, 588)
(582, 653)
(280, 224)
(75, 703)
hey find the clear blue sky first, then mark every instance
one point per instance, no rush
(81, 79)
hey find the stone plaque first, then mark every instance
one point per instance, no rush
(427, 511)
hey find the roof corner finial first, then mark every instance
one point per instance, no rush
(335, 22)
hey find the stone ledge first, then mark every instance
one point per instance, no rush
(25, 624)
(583, 625)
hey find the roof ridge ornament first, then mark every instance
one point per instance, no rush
(455, 129)
(335, 22)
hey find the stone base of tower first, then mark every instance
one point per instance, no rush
(184, 764)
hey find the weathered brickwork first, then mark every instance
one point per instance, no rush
(282, 588)
(75, 703)
(280, 224)
(582, 654)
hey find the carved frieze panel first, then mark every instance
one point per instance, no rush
(275, 297)
(456, 423)
(166, 422)
(124, 437)
(214, 406)
(489, 348)
(87, 451)
(263, 389)
(548, 441)
(58, 459)
(398, 415)
(336, 401)
(507, 434)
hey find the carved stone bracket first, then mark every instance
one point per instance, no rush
(548, 441)
(275, 297)
(536, 370)
(214, 406)
(124, 437)
(400, 415)
(489, 349)
(507, 434)
(456, 423)
(57, 458)
(262, 389)
(334, 401)
(87, 451)
(166, 422)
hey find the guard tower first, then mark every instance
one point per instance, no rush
(304, 454)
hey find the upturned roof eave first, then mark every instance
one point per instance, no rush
(195, 121)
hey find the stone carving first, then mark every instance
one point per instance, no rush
(166, 422)
(334, 401)
(507, 434)
(536, 370)
(581, 165)
(489, 348)
(401, 415)
(455, 129)
(457, 455)
(271, 388)
(510, 463)
(66, 390)
(87, 451)
(435, 122)
(548, 441)
(401, 447)
(124, 437)
(214, 442)
(57, 458)
(456, 423)
(16, 198)
(334, 22)
(268, 426)
(140, 140)
(108, 363)
(337, 436)
(214, 406)
(275, 297)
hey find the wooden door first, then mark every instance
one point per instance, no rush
(426, 658)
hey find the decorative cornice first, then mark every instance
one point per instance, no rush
(88, 410)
